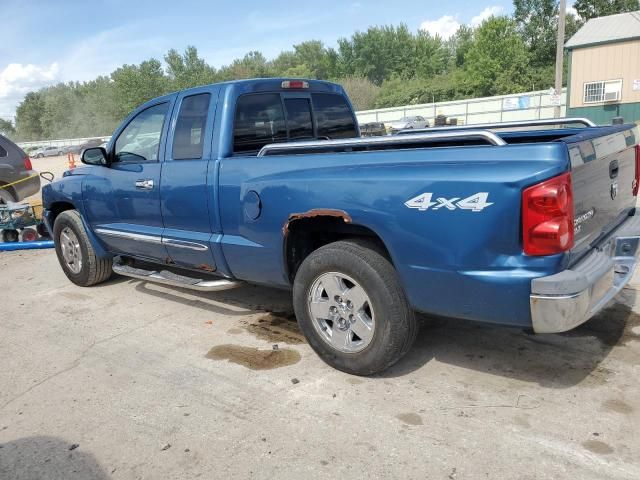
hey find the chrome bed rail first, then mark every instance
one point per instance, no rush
(514, 124)
(432, 136)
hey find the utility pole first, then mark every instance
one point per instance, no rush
(562, 13)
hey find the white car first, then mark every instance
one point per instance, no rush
(47, 152)
(408, 123)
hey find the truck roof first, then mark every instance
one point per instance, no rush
(265, 84)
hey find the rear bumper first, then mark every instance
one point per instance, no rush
(563, 301)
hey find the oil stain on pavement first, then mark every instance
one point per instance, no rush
(254, 358)
(410, 418)
(276, 327)
(596, 446)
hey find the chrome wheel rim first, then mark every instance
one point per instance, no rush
(71, 252)
(341, 312)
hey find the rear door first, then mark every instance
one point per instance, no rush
(603, 176)
(185, 196)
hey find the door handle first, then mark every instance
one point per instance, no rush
(144, 184)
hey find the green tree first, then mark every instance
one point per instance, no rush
(188, 70)
(6, 127)
(537, 22)
(135, 84)
(28, 117)
(588, 9)
(361, 91)
(252, 65)
(460, 43)
(497, 62)
(431, 55)
(378, 54)
(320, 61)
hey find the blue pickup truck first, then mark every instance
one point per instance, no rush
(267, 181)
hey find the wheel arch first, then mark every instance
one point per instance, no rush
(306, 232)
(58, 207)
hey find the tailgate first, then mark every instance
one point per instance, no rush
(603, 174)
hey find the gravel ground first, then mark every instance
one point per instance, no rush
(130, 380)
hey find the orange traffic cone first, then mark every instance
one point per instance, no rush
(72, 161)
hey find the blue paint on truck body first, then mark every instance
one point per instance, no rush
(457, 263)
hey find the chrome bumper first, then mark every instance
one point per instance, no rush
(563, 301)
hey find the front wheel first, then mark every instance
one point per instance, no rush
(352, 309)
(75, 253)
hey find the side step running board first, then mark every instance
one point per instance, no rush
(169, 278)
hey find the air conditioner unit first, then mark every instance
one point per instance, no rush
(612, 91)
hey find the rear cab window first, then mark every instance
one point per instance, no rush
(188, 139)
(333, 116)
(264, 118)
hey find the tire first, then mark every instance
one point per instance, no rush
(393, 327)
(10, 236)
(81, 265)
(5, 196)
(29, 235)
(40, 155)
(41, 228)
(59, 154)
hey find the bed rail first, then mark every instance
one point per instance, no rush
(429, 137)
(520, 123)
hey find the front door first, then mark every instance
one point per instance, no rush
(122, 202)
(185, 196)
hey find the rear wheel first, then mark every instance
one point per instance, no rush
(75, 253)
(352, 309)
(42, 230)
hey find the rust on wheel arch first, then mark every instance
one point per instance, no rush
(315, 212)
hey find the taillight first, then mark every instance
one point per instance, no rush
(636, 182)
(27, 163)
(294, 84)
(547, 216)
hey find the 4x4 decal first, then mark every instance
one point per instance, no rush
(476, 202)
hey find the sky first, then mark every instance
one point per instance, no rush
(44, 42)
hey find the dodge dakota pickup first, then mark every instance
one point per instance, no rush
(526, 224)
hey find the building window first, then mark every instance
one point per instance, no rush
(605, 91)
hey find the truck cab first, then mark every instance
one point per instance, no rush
(153, 193)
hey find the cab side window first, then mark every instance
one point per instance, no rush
(140, 140)
(188, 139)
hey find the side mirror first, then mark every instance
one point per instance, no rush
(95, 156)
